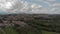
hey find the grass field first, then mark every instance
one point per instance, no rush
(1, 32)
(9, 30)
(36, 29)
(46, 32)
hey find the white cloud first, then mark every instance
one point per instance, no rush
(51, 0)
(10, 5)
(54, 9)
(32, 8)
(26, 7)
(56, 5)
(44, 1)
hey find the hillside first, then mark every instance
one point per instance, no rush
(30, 24)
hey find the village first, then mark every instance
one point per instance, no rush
(26, 22)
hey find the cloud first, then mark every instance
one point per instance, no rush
(37, 9)
(54, 9)
(27, 7)
(32, 8)
(10, 5)
(44, 1)
(22, 7)
(56, 5)
(51, 0)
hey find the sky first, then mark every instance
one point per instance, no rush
(30, 6)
